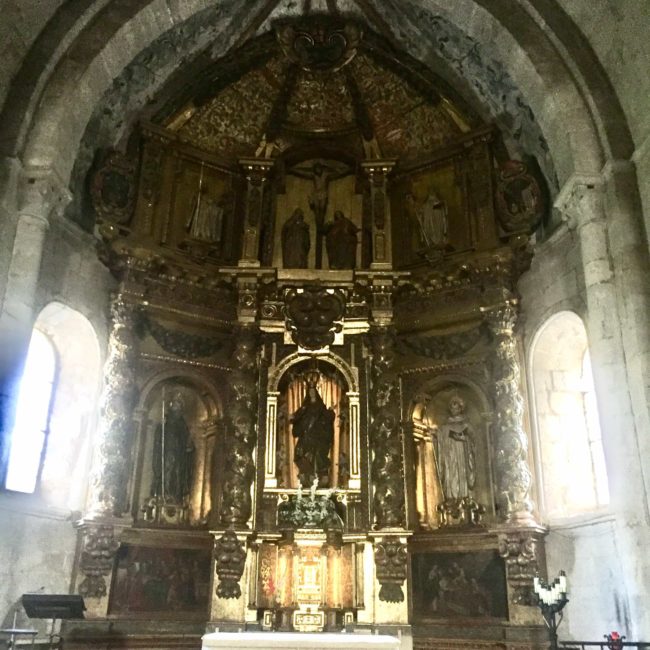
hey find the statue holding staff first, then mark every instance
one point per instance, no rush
(173, 453)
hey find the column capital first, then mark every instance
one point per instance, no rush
(378, 167)
(256, 168)
(41, 191)
(581, 199)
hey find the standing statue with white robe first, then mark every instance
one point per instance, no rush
(431, 216)
(456, 454)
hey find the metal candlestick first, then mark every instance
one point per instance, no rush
(551, 600)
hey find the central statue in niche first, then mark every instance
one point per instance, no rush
(313, 428)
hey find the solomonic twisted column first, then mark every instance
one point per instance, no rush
(112, 462)
(236, 503)
(511, 458)
(387, 467)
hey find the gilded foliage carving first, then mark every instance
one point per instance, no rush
(183, 344)
(391, 561)
(320, 102)
(97, 557)
(519, 198)
(118, 401)
(447, 346)
(113, 188)
(512, 472)
(385, 433)
(241, 429)
(230, 554)
(519, 549)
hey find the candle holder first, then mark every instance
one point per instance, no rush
(551, 599)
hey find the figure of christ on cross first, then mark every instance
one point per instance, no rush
(321, 173)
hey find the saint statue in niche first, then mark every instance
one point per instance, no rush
(341, 242)
(295, 241)
(173, 454)
(456, 457)
(431, 216)
(313, 428)
(205, 223)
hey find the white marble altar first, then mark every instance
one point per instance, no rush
(297, 641)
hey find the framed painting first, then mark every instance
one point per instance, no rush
(459, 585)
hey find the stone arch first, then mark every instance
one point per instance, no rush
(598, 124)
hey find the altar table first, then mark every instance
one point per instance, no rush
(298, 641)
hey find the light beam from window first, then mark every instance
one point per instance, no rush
(32, 414)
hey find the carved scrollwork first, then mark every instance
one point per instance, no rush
(96, 563)
(442, 347)
(113, 188)
(183, 344)
(231, 559)
(391, 561)
(519, 550)
(314, 315)
(319, 42)
(519, 198)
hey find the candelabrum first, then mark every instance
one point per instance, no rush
(551, 599)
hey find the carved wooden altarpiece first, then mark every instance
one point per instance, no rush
(313, 367)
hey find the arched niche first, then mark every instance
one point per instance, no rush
(182, 451)
(428, 414)
(570, 455)
(339, 389)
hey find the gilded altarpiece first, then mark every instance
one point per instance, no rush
(313, 368)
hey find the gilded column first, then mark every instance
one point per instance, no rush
(513, 476)
(378, 172)
(257, 171)
(111, 465)
(387, 468)
(241, 437)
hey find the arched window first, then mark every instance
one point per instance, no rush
(571, 458)
(32, 415)
(50, 443)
